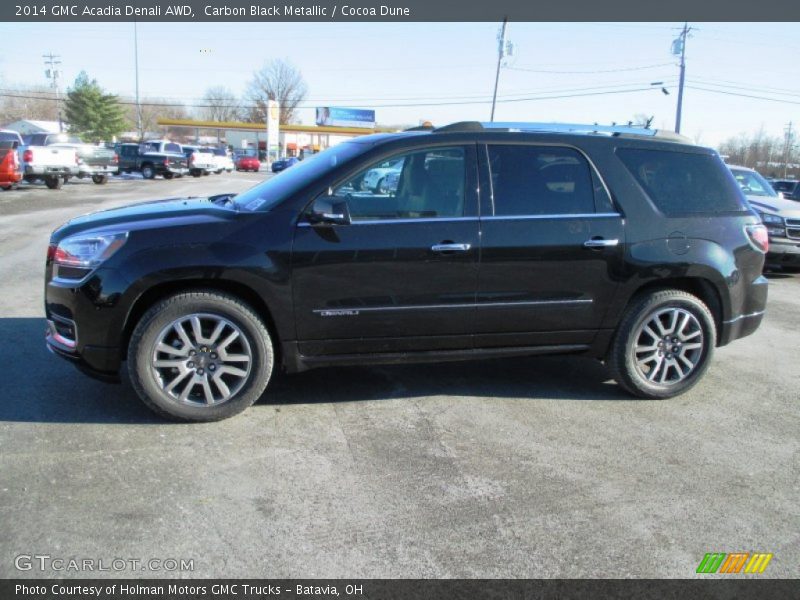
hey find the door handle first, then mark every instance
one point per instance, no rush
(600, 243)
(451, 247)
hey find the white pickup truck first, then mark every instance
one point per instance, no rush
(201, 160)
(51, 164)
(223, 160)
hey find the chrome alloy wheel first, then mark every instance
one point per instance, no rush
(201, 359)
(669, 346)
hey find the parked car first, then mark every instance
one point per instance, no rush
(789, 188)
(47, 163)
(97, 162)
(780, 216)
(10, 174)
(223, 160)
(283, 164)
(200, 160)
(153, 158)
(246, 162)
(502, 239)
(375, 178)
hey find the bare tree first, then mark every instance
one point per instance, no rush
(28, 102)
(220, 104)
(154, 109)
(277, 80)
(759, 151)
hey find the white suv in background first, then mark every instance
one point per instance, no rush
(223, 160)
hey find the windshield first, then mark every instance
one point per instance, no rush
(753, 184)
(277, 188)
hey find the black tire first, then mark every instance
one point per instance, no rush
(196, 172)
(53, 182)
(146, 335)
(206, 172)
(622, 360)
(148, 172)
(100, 179)
(7, 188)
(168, 175)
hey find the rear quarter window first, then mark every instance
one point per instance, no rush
(683, 182)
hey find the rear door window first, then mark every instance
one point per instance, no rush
(683, 182)
(529, 180)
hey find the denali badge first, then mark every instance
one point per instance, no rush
(346, 312)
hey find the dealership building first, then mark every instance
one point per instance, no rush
(334, 125)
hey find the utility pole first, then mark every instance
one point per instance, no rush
(501, 48)
(136, 66)
(787, 147)
(52, 73)
(679, 47)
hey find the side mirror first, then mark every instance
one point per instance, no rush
(329, 212)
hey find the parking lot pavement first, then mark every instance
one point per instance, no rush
(508, 468)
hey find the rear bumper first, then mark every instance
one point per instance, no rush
(10, 178)
(173, 170)
(751, 315)
(38, 171)
(89, 170)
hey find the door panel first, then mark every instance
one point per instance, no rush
(539, 283)
(383, 284)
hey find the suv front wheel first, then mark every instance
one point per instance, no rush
(200, 356)
(663, 345)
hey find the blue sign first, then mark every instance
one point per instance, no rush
(334, 116)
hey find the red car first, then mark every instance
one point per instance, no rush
(247, 162)
(10, 174)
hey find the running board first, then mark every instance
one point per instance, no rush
(427, 356)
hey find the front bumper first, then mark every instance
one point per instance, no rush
(85, 321)
(784, 251)
(87, 362)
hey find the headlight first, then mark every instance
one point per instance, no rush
(88, 251)
(768, 219)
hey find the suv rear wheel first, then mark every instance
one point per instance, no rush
(200, 356)
(663, 345)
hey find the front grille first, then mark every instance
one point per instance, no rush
(793, 228)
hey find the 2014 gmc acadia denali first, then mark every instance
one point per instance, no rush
(504, 239)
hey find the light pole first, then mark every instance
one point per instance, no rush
(52, 73)
(501, 38)
(679, 47)
(136, 68)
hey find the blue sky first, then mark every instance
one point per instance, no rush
(449, 67)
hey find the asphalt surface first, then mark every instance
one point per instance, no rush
(510, 468)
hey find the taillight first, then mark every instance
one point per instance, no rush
(77, 159)
(758, 236)
(14, 161)
(166, 162)
(27, 156)
(51, 252)
(115, 160)
(191, 159)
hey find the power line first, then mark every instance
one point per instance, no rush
(620, 70)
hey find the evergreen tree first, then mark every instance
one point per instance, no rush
(92, 113)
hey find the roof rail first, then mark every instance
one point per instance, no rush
(613, 130)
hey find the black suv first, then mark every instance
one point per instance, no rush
(504, 239)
